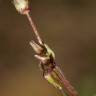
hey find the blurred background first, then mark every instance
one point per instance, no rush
(68, 27)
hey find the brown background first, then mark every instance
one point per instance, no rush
(68, 26)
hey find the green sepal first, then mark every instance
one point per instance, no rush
(49, 51)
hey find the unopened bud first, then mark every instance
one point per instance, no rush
(53, 80)
(49, 51)
(21, 6)
(44, 60)
(37, 48)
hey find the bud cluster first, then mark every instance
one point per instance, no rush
(47, 63)
(43, 52)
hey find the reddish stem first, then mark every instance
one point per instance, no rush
(34, 28)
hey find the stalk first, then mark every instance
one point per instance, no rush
(34, 28)
(51, 72)
(67, 86)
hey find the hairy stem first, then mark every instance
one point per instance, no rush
(34, 28)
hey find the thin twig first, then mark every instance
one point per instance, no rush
(34, 28)
(70, 90)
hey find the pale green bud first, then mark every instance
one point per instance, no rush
(21, 6)
(53, 80)
(43, 59)
(49, 51)
(36, 47)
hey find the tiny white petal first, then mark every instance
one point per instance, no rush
(21, 5)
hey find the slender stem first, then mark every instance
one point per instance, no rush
(67, 86)
(34, 28)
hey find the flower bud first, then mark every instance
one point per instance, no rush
(49, 51)
(21, 6)
(52, 79)
(43, 59)
(36, 47)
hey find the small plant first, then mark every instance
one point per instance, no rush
(51, 72)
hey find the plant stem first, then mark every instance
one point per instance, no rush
(34, 28)
(68, 87)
